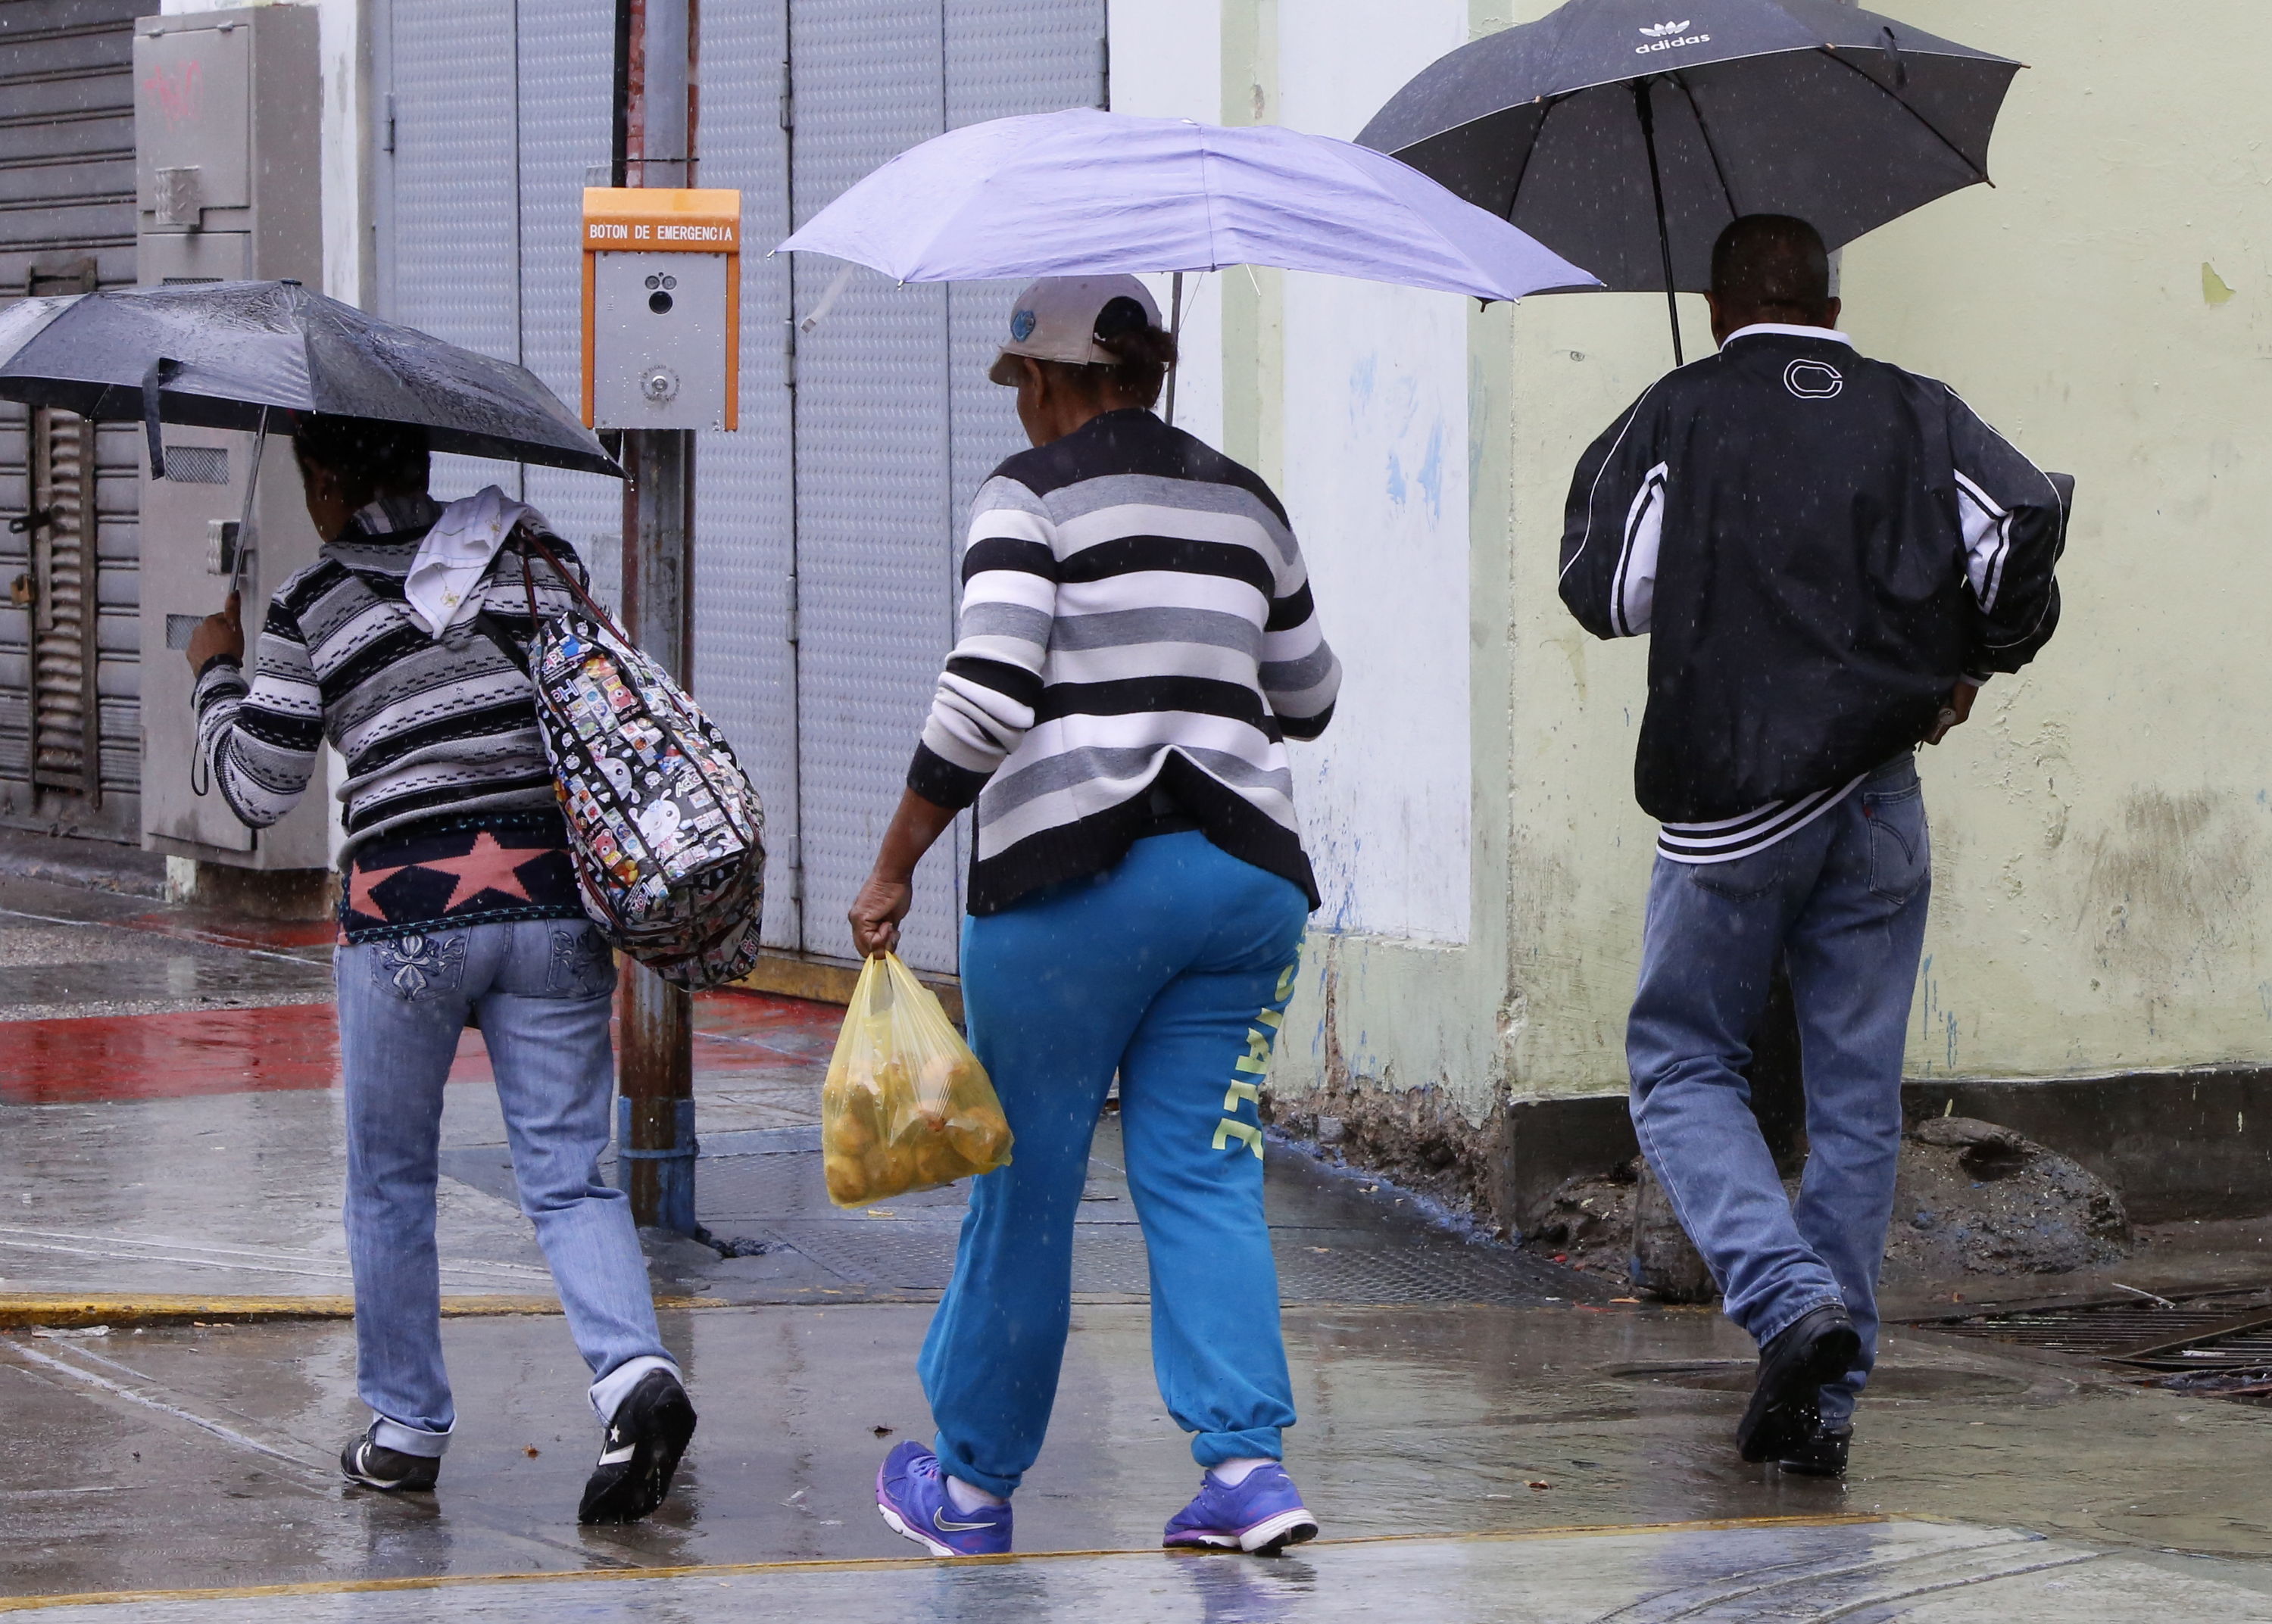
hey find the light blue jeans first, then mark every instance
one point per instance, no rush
(543, 991)
(1843, 901)
(1172, 969)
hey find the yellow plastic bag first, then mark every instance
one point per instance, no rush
(906, 1106)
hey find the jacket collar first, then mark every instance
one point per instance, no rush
(1785, 331)
(389, 517)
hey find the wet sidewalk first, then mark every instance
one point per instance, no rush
(1483, 1435)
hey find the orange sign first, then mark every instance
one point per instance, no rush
(653, 220)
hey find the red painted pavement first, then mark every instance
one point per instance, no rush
(296, 1045)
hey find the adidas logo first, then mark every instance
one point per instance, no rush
(1665, 36)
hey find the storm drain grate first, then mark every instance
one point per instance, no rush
(2223, 1332)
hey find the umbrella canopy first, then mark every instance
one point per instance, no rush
(222, 356)
(1084, 192)
(1572, 126)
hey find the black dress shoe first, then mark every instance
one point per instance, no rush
(640, 1453)
(1820, 1454)
(1819, 1346)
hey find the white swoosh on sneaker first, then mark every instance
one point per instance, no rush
(939, 1522)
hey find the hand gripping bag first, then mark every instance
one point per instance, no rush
(906, 1106)
(664, 828)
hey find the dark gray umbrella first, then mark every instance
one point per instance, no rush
(255, 354)
(1625, 134)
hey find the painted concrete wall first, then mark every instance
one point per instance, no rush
(1355, 400)
(2100, 823)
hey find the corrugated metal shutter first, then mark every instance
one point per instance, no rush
(567, 98)
(874, 566)
(744, 662)
(67, 223)
(896, 425)
(450, 261)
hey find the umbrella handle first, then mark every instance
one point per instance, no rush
(162, 371)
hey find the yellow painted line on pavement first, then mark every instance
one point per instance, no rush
(858, 1564)
(21, 1309)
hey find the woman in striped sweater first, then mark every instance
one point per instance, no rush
(458, 908)
(1137, 643)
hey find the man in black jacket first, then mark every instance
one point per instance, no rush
(1829, 555)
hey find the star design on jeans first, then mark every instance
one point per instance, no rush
(489, 866)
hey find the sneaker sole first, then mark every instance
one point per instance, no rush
(906, 1529)
(1267, 1538)
(1832, 1357)
(655, 1463)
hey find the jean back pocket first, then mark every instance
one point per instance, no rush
(1900, 847)
(420, 965)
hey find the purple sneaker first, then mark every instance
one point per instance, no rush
(911, 1493)
(1263, 1514)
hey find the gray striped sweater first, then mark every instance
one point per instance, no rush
(1137, 631)
(429, 728)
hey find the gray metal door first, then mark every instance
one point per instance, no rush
(745, 653)
(71, 745)
(873, 565)
(896, 425)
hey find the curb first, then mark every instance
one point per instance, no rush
(21, 1311)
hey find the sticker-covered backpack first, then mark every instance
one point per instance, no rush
(664, 828)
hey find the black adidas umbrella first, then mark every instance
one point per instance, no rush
(257, 354)
(1624, 134)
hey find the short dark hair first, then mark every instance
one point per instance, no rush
(1773, 262)
(369, 455)
(1143, 353)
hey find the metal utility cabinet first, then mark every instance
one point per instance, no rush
(227, 170)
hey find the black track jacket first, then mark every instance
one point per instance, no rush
(1818, 546)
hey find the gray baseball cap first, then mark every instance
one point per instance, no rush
(1055, 319)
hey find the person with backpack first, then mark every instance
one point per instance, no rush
(458, 907)
(1137, 643)
(1829, 557)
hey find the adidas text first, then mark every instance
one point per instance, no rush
(1666, 45)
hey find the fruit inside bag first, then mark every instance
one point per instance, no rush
(906, 1106)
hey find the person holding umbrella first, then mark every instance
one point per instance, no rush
(1138, 641)
(460, 908)
(1829, 555)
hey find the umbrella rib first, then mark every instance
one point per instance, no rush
(1530, 153)
(1711, 148)
(1978, 174)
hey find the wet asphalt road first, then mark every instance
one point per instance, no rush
(172, 1134)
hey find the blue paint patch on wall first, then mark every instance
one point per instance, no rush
(1430, 477)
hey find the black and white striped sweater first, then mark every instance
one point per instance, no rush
(431, 729)
(1136, 621)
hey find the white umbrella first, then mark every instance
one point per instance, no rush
(1090, 193)
(1086, 193)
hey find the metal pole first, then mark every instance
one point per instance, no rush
(655, 1139)
(1648, 110)
(1175, 331)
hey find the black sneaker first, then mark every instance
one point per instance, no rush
(371, 1463)
(1819, 1346)
(1821, 1453)
(644, 1442)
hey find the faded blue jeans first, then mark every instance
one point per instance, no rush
(543, 991)
(1843, 901)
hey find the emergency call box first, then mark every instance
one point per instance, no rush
(662, 306)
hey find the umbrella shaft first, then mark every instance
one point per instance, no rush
(1647, 110)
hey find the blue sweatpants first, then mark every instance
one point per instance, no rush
(1172, 969)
